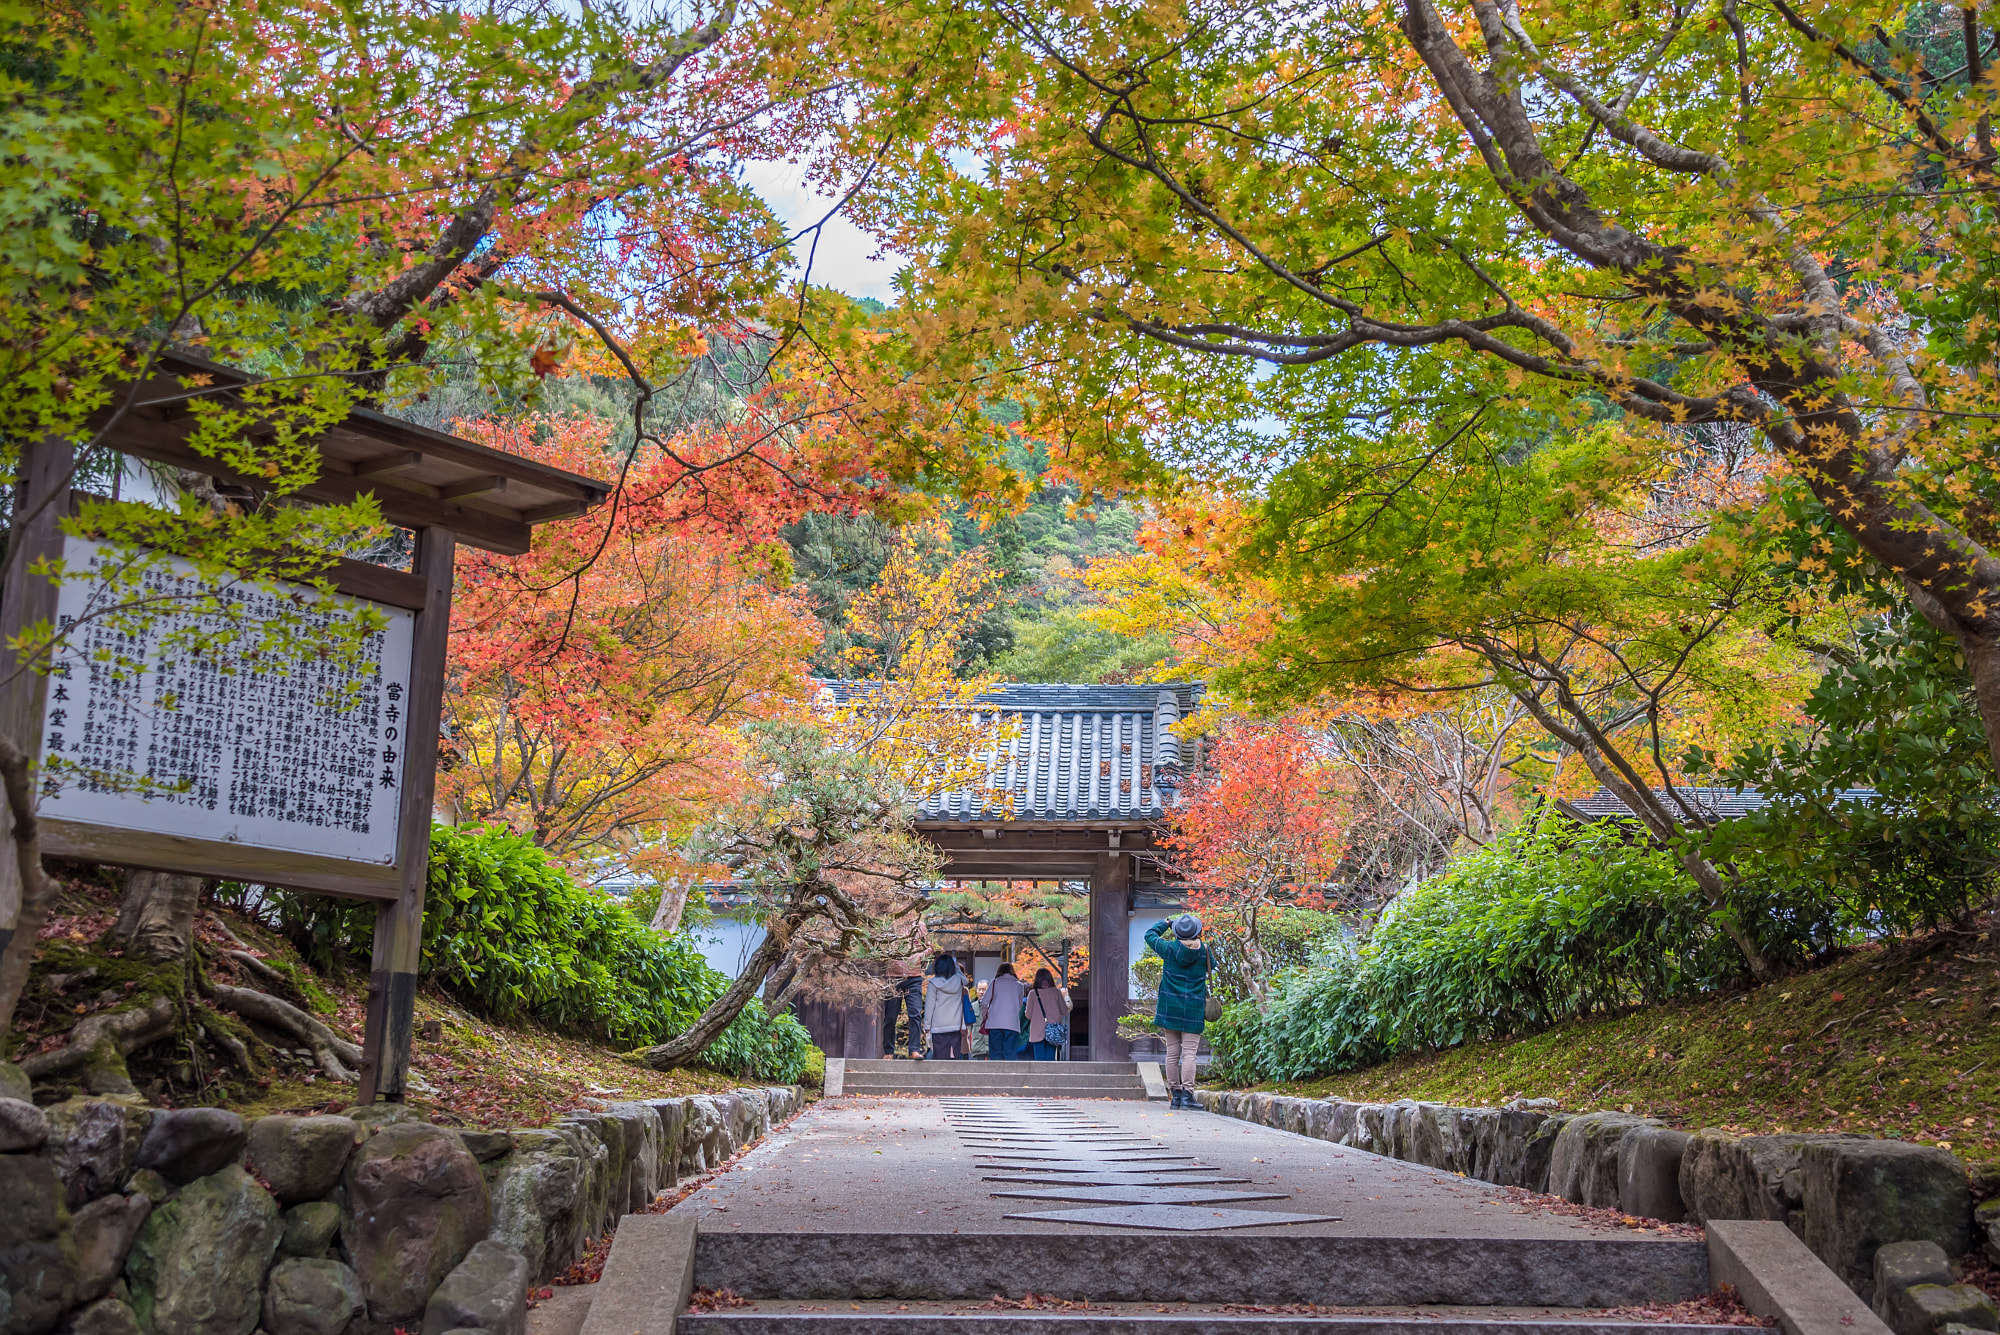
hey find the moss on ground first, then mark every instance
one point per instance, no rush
(468, 1072)
(1897, 1041)
(488, 1075)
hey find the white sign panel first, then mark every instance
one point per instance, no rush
(302, 757)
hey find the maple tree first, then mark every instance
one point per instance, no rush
(1624, 621)
(1184, 581)
(1623, 638)
(1452, 234)
(598, 713)
(358, 204)
(913, 714)
(1263, 826)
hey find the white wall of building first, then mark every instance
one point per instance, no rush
(728, 943)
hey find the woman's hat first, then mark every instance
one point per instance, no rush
(1187, 927)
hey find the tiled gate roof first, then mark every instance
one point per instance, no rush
(1081, 754)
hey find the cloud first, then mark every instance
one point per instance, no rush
(846, 258)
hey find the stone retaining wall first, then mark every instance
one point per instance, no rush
(125, 1220)
(1845, 1196)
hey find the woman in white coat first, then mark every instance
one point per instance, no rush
(944, 1009)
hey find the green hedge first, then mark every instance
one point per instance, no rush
(508, 932)
(1533, 929)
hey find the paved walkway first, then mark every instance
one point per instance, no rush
(1014, 1166)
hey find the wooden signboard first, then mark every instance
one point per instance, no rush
(299, 759)
(280, 773)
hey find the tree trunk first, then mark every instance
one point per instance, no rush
(673, 903)
(725, 1008)
(784, 980)
(37, 888)
(156, 917)
(1624, 783)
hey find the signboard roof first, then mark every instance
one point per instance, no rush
(487, 497)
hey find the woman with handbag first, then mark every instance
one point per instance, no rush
(944, 1009)
(1048, 1018)
(1184, 1004)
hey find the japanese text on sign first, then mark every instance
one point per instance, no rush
(304, 757)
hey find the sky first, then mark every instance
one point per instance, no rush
(846, 259)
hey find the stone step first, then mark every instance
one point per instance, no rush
(1001, 1076)
(1267, 1268)
(1082, 1068)
(998, 1088)
(947, 1079)
(1001, 1091)
(762, 1319)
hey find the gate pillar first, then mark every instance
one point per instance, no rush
(1110, 963)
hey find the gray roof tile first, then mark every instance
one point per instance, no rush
(1081, 753)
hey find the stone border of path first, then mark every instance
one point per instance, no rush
(1775, 1275)
(1788, 1213)
(648, 1278)
(354, 1224)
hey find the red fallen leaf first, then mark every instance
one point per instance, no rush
(708, 1300)
(1839, 996)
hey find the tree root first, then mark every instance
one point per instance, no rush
(329, 1048)
(256, 966)
(100, 1043)
(238, 1050)
(215, 921)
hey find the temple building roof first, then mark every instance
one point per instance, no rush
(1082, 755)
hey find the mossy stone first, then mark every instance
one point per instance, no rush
(309, 1229)
(416, 1203)
(198, 1266)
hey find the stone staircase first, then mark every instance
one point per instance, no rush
(894, 1283)
(862, 1219)
(853, 1077)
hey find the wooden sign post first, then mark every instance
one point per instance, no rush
(296, 776)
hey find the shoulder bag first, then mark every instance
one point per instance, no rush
(1054, 1032)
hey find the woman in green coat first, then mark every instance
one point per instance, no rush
(1183, 1005)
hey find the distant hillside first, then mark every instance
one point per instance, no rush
(1040, 635)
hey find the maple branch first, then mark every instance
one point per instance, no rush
(1506, 22)
(461, 236)
(1933, 136)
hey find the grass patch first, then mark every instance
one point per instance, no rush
(1897, 1041)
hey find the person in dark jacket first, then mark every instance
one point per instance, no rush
(1183, 1005)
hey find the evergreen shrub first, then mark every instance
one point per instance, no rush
(509, 933)
(1535, 928)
